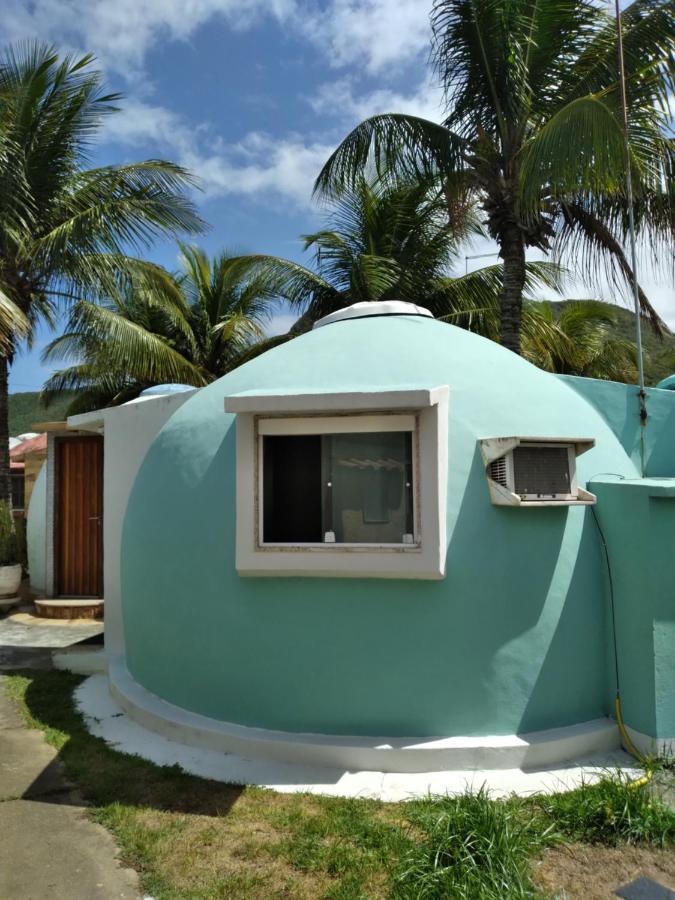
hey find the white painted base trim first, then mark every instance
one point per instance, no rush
(382, 754)
(105, 718)
(649, 746)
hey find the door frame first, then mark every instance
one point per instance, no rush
(53, 525)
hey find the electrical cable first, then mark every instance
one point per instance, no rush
(623, 731)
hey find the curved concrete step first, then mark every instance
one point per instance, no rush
(355, 753)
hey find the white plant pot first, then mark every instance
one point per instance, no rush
(10, 579)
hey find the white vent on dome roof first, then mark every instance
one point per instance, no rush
(379, 308)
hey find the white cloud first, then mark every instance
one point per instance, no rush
(372, 34)
(120, 32)
(258, 164)
(340, 99)
(280, 323)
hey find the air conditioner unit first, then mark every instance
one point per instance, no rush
(534, 471)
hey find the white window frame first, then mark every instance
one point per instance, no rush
(422, 411)
(349, 424)
(495, 448)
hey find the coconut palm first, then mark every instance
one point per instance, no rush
(66, 230)
(534, 136)
(588, 346)
(571, 338)
(189, 328)
(388, 241)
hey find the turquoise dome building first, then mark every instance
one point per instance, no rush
(375, 546)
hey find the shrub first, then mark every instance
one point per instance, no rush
(8, 549)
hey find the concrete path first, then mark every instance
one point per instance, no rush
(27, 641)
(49, 848)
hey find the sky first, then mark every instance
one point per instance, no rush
(251, 96)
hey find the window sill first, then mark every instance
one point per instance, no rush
(341, 548)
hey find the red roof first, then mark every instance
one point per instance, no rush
(32, 445)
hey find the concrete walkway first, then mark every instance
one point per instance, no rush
(48, 846)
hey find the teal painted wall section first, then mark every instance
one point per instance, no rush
(512, 640)
(638, 520)
(618, 404)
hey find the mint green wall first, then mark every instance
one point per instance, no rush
(618, 404)
(512, 640)
(638, 520)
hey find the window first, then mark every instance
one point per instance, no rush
(18, 488)
(342, 485)
(527, 472)
(345, 488)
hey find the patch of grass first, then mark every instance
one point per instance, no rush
(471, 847)
(194, 839)
(612, 812)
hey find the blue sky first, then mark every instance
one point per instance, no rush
(251, 96)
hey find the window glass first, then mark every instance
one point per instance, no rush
(368, 487)
(17, 483)
(354, 488)
(292, 489)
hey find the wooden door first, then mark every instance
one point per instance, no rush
(78, 550)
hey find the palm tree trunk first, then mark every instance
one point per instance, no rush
(512, 251)
(5, 482)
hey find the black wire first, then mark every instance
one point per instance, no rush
(611, 599)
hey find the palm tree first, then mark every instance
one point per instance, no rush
(189, 328)
(66, 230)
(389, 240)
(571, 338)
(534, 135)
(588, 346)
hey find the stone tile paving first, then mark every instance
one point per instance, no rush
(27, 641)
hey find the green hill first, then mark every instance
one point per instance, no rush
(659, 352)
(25, 410)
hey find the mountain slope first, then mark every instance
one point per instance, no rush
(659, 353)
(25, 410)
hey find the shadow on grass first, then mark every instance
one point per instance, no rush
(102, 774)
(278, 846)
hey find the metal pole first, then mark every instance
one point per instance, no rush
(477, 256)
(631, 228)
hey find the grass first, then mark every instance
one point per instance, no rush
(191, 838)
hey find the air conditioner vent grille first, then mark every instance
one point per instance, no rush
(498, 471)
(541, 470)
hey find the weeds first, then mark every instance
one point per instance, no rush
(612, 812)
(471, 847)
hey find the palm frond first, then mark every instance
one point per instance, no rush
(405, 147)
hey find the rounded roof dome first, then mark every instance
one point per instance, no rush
(667, 384)
(486, 650)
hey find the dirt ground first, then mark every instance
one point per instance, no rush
(595, 872)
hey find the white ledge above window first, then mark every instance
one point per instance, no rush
(312, 401)
(394, 527)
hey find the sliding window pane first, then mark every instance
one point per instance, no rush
(368, 487)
